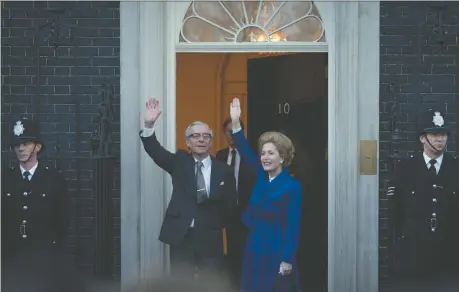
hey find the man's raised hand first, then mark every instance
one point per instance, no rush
(152, 112)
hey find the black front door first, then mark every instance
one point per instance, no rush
(288, 93)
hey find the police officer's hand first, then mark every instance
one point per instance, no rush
(152, 112)
(235, 113)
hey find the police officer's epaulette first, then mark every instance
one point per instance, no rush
(411, 159)
(51, 168)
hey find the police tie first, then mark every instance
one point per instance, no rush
(25, 176)
(200, 184)
(432, 169)
(233, 158)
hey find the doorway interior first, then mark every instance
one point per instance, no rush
(284, 92)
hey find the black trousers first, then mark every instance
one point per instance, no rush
(190, 258)
(237, 236)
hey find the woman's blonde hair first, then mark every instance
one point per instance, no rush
(282, 143)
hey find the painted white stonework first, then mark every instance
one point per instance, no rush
(353, 116)
(368, 129)
(130, 144)
(142, 182)
(149, 41)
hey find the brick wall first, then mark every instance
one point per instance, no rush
(422, 73)
(84, 64)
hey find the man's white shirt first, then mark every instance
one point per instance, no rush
(437, 164)
(31, 171)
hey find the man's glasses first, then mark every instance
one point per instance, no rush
(196, 136)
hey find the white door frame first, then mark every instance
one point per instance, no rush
(149, 42)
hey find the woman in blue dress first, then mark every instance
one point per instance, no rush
(274, 212)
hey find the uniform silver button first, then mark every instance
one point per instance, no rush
(434, 215)
(434, 200)
(434, 186)
(24, 207)
(24, 221)
(412, 192)
(25, 194)
(24, 236)
(454, 193)
(43, 195)
(8, 194)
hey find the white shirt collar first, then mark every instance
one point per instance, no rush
(231, 149)
(32, 170)
(427, 159)
(205, 162)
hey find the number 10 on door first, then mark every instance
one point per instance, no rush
(284, 109)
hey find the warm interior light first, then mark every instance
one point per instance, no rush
(264, 21)
(277, 37)
(261, 37)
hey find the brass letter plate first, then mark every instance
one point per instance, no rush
(368, 157)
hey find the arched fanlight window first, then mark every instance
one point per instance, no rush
(252, 21)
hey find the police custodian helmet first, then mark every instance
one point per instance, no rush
(25, 130)
(432, 121)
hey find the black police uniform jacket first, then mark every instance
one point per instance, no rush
(34, 214)
(423, 218)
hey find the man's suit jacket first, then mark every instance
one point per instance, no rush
(246, 179)
(212, 215)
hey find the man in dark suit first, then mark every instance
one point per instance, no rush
(245, 180)
(423, 198)
(34, 218)
(203, 197)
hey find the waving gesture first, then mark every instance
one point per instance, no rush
(152, 112)
(235, 113)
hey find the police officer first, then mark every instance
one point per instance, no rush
(34, 215)
(423, 198)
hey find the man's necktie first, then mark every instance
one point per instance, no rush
(432, 169)
(25, 176)
(233, 158)
(200, 183)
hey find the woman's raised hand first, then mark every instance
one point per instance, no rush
(235, 113)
